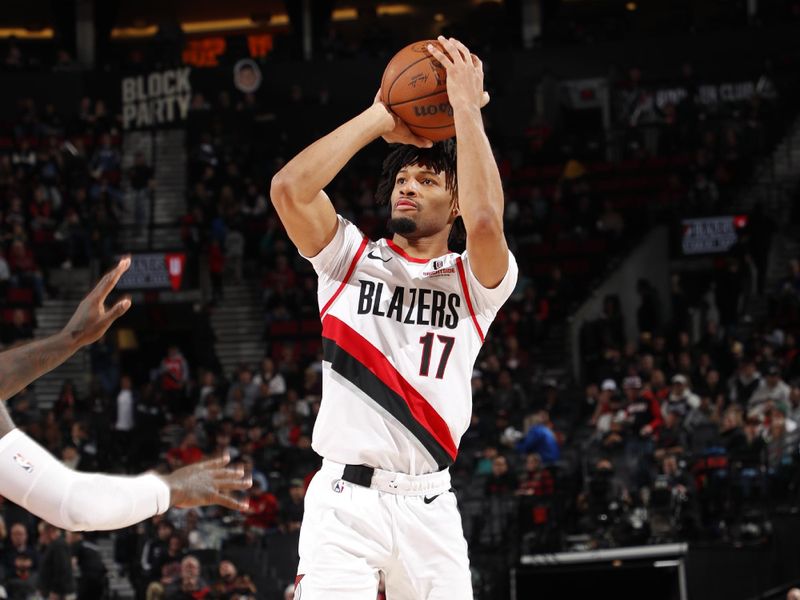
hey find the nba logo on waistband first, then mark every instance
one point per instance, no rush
(23, 462)
(338, 486)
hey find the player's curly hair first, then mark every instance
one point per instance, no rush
(441, 157)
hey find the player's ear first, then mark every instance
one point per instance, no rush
(454, 207)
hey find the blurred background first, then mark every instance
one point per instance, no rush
(636, 404)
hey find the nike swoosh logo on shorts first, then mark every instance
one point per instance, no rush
(427, 500)
(374, 257)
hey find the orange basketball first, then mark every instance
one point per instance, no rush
(414, 88)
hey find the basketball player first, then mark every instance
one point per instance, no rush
(402, 323)
(32, 478)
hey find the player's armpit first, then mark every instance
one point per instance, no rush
(310, 225)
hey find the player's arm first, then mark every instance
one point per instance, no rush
(297, 189)
(23, 364)
(31, 477)
(480, 191)
(35, 480)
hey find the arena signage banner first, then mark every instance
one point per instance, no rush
(154, 271)
(711, 235)
(157, 99)
(647, 105)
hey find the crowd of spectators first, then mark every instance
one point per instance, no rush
(699, 431)
(61, 199)
(601, 468)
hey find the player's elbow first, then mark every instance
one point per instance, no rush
(484, 224)
(281, 190)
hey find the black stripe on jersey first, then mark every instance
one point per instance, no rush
(365, 380)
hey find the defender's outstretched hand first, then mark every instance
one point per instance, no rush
(92, 319)
(206, 483)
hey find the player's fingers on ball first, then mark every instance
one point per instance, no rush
(439, 55)
(462, 49)
(450, 49)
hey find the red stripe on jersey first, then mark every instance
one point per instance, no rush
(463, 277)
(349, 340)
(346, 277)
(404, 254)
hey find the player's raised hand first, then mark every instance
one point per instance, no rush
(92, 319)
(464, 74)
(397, 132)
(208, 482)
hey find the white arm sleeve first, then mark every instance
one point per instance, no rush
(31, 477)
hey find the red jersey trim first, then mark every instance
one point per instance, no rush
(398, 250)
(463, 278)
(350, 270)
(376, 362)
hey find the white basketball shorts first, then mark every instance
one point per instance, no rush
(407, 526)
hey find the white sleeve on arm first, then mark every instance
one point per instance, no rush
(333, 261)
(32, 478)
(489, 300)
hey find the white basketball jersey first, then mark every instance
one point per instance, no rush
(400, 337)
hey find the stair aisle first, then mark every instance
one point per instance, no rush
(238, 324)
(166, 152)
(72, 285)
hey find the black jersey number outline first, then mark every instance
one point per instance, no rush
(427, 349)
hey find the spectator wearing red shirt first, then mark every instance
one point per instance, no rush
(186, 453)
(538, 481)
(24, 270)
(174, 375)
(264, 508)
(658, 385)
(643, 417)
(281, 277)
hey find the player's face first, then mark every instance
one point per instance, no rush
(420, 197)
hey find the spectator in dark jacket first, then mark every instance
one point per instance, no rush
(155, 549)
(18, 545)
(20, 582)
(190, 585)
(56, 579)
(746, 381)
(91, 582)
(643, 417)
(502, 482)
